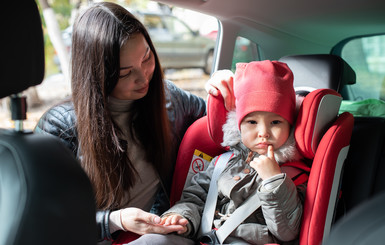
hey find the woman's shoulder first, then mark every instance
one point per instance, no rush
(60, 116)
(60, 111)
(60, 121)
(172, 88)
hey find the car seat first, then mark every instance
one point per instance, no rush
(321, 136)
(45, 196)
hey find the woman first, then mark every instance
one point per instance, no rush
(124, 122)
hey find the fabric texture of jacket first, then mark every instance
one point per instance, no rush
(183, 109)
(279, 217)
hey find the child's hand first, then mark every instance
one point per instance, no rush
(175, 220)
(266, 166)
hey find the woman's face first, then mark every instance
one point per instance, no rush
(137, 64)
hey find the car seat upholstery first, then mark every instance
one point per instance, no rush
(45, 196)
(315, 71)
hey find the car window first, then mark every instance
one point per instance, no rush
(245, 50)
(156, 28)
(177, 28)
(366, 55)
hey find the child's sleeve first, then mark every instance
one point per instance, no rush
(193, 199)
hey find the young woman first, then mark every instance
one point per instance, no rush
(124, 122)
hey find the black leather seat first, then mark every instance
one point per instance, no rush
(45, 196)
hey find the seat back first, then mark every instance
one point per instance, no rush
(316, 71)
(45, 196)
(365, 224)
(324, 181)
(365, 164)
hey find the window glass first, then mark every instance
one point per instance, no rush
(177, 28)
(245, 50)
(366, 56)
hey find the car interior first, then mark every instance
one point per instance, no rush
(43, 189)
(336, 51)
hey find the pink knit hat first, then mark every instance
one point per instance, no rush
(264, 86)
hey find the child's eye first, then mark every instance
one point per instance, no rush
(275, 122)
(252, 122)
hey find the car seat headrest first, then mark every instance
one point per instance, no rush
(23, 50)
(216, 117)
(319, 71)
(318, 109)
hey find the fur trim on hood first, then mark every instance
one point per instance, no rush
(232, 136)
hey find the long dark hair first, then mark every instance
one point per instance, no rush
(98, 35)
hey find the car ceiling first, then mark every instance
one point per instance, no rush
(312, 26)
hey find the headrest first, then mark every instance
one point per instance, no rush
(216, 117)
(317, 111)
(319, 71)
(22, 62)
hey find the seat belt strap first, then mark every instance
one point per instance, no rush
(251, 204)
(212, 195)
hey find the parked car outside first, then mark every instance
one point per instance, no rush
(177, 45)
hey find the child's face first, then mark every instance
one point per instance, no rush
(260, 129)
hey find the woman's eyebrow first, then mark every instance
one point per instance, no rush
(128, 67)
(147, 51)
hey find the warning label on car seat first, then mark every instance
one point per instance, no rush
(199, 162)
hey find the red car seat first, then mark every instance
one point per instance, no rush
(321, 135)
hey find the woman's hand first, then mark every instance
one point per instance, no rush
(222, 80)
(266, 166)
(141, 222)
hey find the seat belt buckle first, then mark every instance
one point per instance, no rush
(208, 238)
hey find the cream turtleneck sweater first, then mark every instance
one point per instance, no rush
(142, 194)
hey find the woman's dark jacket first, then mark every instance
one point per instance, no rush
(183, 109)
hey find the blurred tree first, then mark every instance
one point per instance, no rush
(54, 33)
(57, 15)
